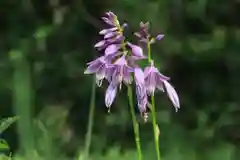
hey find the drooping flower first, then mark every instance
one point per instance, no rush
(121, 72)
(154, 79)
(137, 51)
(111, 49)
(98, 66)
(172, 94)
(110, 95)
(140, 89)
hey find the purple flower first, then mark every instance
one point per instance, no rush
(110, 19)
(110, 95)
(140, 89)
(113, 36)
(106, 31)
(98, 66)
(172, 94)
(154, 79)
(137, 51)
(121, 72)
(144, 35)
(111, 49)
(158, 38)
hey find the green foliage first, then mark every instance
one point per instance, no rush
(6, 122)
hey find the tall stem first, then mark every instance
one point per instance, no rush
(134, 121)
(154, 119)
(135, 124)
(90, 121)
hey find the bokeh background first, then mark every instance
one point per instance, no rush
(45, 45)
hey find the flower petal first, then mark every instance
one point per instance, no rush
(141, 98)
(93, 66)
(172, 94)
(139, 75)
(109, 35)
(147, 71)
(100, 44)
(105, 31)
(159, 37)
(113, 48)
(136, 50)
(121, 61)
(110, 94)
(127, 75)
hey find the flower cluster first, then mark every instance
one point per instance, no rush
(118, 64)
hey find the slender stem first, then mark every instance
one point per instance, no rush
(154, 119)
(135, 124)
(154, 122)
(90, 121)
(134, 121)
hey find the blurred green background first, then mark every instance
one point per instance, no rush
(45, 45)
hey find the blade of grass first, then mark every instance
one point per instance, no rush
(90, 121)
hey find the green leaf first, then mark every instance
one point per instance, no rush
(5, 123)
(3, 157)
(3, 145)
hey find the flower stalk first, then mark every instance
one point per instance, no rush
(132, 111)
(135, 124)
(153, 110)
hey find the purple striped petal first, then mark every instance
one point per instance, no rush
(109, 35)
(105, 31)
(159, 37)
(111, 93)
(136, 50)
(172, 94)
(100, 44)
(113, 48)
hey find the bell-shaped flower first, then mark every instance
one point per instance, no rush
(106, 31)
(98, 66)
(157, 38)
(140, 89)
(121, 72)
(110, 19)
(154, 79)
(172, 94)
(111, 49)
(137, 51)
(110, 95)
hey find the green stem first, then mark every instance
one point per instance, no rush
(135, 124)
(155, 126)
(154, 119)
(90, 121)
(134, 121)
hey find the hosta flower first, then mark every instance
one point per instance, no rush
(137, 51)
(98, 66)
(140, 89)
(110, 95)
(154, 79)
(144, 35)
(110, 19)
(111, 49)
(113, 36)
(121, 72)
